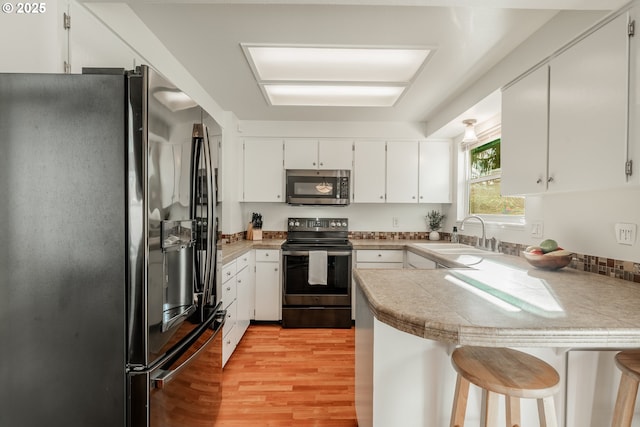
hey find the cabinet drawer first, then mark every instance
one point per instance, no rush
(267, 255)
(230, 321)
(242, 261)
(229, 292)
(228, 271)
(372, 265)
(384, 255)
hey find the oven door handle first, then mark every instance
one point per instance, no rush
(306, 253)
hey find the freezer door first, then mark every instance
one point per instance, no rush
(184, 390)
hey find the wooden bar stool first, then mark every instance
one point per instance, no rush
(511, 373)
(628, 362)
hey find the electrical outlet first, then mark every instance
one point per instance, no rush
(625, 233)
(396, 223)
(537, 229)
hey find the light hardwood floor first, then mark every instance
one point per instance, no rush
(290, 377)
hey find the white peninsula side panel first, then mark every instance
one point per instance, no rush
(404, 380)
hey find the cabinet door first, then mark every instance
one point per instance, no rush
(268, 291)
(263, 171)
(335, 154)
(402, 171)
(588, 111)
(523, 145)
(300, 154)
(369, 158)
(243, 299)
(434, 184)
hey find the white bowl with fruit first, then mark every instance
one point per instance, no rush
(548, 255)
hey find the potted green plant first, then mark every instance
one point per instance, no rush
(435, 219)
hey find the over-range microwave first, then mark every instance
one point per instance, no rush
(318, 187)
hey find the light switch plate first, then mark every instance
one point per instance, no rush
(537, 229)
(625, 233)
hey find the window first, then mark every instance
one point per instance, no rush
(484, 183)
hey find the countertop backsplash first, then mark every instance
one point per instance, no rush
(625, 270)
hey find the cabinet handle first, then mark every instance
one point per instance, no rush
(228, 273)
(539, 181)
(550, 179)
(413, 197)
(239, 281)
(314, 163)
(278, 196)
(321, 164)
(228, 288)
(421, 197)
(382, 197)
(379, 255)
(275, 269)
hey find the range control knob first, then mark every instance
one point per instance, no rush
(291, 223)
(333, 224)
(297, 224)
(344, 224)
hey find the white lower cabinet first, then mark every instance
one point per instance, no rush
(416, 261)
(379, 258)
(237, 296)
(268, 296)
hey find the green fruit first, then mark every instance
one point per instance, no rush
(548, 245)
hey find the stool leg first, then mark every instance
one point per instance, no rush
(547, 412)
(625, 402)
(512, 407)
(489, 416)
(459, 402)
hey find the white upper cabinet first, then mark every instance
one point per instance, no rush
(523, 144)
(564, 125)
(301, 154)
(434, 185)
(588, 111)
(335, 154)
(368, 179)
(318, 154)
(402, 171)
(263, 171)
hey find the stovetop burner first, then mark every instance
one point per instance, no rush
(317, 233)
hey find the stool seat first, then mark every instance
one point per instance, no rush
(508, 372)
(628, 362)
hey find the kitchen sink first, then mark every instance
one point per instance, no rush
(456, 249)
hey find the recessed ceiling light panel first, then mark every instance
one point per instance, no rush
(336, 64)
(334, 75)
(336, 95)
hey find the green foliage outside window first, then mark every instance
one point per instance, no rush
(484, 186)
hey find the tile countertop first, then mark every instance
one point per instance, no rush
(563, 308)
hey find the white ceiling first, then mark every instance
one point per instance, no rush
(469, 37)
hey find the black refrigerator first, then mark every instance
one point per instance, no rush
(108, 312)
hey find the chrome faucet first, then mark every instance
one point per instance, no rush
(483, 240)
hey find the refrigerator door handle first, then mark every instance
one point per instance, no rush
(161, 377)
(211, 199)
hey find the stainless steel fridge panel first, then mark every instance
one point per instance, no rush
(63, 251)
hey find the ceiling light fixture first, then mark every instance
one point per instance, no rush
(334, 75)
(470, 136)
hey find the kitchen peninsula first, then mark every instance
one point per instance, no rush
(409, 321)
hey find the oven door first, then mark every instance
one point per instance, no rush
(298, 291)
